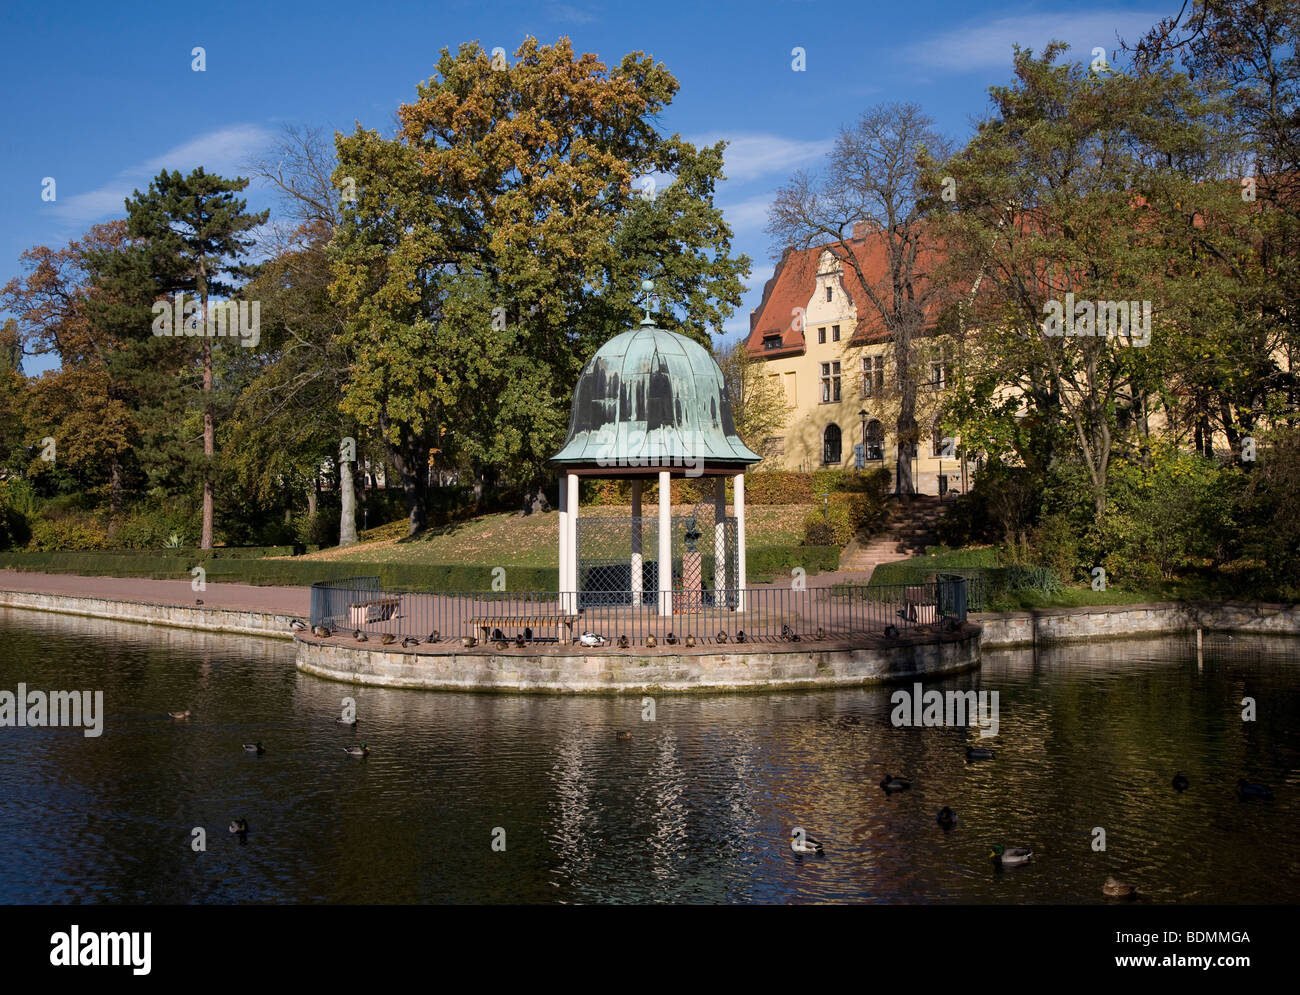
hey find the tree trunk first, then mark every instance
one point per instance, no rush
(312, 498)
(348, 500)
(535, 500)
(115, 485)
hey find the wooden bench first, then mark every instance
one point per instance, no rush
(486, 623)
(380, 610)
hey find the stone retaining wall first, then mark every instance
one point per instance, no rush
(1004, 629)
(561, 670)
(185, 617)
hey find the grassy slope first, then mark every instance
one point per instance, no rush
(514, 540)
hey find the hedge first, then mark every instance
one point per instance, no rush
(761, 487)
(762, 563)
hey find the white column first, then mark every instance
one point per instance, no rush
(637, 558)
(665, 543)
(563, 506)
(573, 542)
(740, 541)
(720, 539)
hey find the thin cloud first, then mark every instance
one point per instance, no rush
(989, 45)
(749, 156)
(570, 13)
(221, 151)
(748, 215)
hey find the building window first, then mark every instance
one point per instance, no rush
(772, 341)
(835, 333)
(938, 450)
(830, 293)
(873, 375)
(831, 455)
(821, 336)
(774, 445)
(875, 441)
(830, 382)
(939, 370)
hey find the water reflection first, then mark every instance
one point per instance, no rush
(696, 806)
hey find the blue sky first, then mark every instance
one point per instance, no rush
(101, 97)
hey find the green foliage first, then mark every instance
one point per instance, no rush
(831, 526)
(767, 563)
(67, 532)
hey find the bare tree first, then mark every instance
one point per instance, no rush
(872, 186)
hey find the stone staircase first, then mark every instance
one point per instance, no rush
(908, 531)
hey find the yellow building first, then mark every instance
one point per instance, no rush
(820, 339)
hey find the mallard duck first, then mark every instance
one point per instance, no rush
(359, 636)
(528, 634)
(410, 641)
(891, 632)
(623, 642)
(1252, 789)
(323, 631)
(519, 642)
(740, 635)
(500, 644)
(388, 639)
(180, 715)
(821, 633)
(978, 753)
(689, 641)
(946, 817)
(239, 826)
(1011, 856)
(469, 642)
(891, 783)
(1118, 889)
(622, 734)
(198, 601)
(650, 641)
(357, 751)
(721, 636)
(805, 845)
(1181, 783)
(671, 639)
(433, 637)
(786, 632)
(498, 635)
(298, 625)
(257, 748)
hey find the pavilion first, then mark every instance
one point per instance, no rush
(652, 404)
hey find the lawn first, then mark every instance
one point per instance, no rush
(508, 539)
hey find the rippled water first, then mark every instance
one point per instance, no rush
(696, 807)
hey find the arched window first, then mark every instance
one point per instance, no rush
(875, 440)
(831, 450)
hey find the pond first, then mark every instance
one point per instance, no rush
(696, 806)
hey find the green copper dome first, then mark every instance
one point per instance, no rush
(652, 398)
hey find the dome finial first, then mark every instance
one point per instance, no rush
(647, 288)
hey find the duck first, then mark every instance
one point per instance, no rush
(671, 639)
(498, 635)
(519, 642)
(740, 635)
(323, 631)
(590, 639)
(410, 641)
(650, 642)
(239, 826)
(978, 753)
(821, 633)
(689, 641)
(805, 845)
(623, 642)
(891, 632)
(357, 751)
(433, 637)
(1118, 889)
(298, 625)
(388, 639)
(1181, 783)
(946, 817)
(623, 734)
(198, 601)
(786, 632)
(179, 715)
(1010, 856)
(721, 636)
(257, 748)
(469, 642)
(358, 635)
(892, 783)
(1252, 789)
(528, 634)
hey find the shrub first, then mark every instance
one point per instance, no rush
(831, 526)
(765, 563)
(71, 532)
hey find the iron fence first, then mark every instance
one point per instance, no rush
(358, 606)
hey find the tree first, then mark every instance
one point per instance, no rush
(194, 233)
(514, 187)
(873, 179)
(758, 404)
